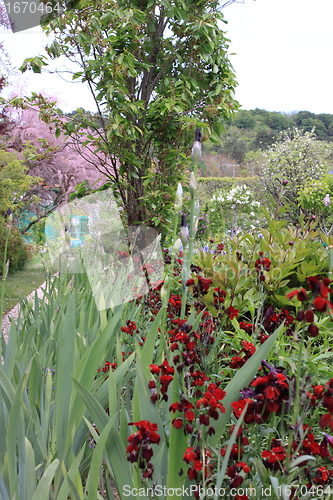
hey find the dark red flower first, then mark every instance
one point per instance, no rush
(176, 407)
(309, 316)
(204, 284)
(301, 294)
(139, 449)
(276, 454)
(232, 312)
(244, 466)
(155, 369)
(177, 423)
(189, 415)
(248, 348)
(237, 362)
(247, 327)
(322, 475)
(326, 420)
(313, 330)
(321, 304)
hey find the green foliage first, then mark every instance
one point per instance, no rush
(37, 232)
(17, 252)
(316, 198)
(14, 181)
(295, 254)
(156, 72)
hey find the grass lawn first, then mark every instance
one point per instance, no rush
(21, 283)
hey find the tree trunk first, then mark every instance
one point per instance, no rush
(134, 208)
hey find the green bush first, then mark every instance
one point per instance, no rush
(17, 251)
(315, 198)
(207, 186)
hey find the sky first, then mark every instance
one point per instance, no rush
(281, 51)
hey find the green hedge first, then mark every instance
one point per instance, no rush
(208, 185)
(17, 251)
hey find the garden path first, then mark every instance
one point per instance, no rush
(13, 313)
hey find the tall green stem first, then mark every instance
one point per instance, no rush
(188, 253)
(4, 275)
(297, 395)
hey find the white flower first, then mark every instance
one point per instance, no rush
(196, 152)
(327, 200)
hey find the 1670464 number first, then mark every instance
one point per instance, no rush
(304, 490)
(32, 8)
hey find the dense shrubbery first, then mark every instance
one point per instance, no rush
(316, 199)
(293, 160)
(18, 251)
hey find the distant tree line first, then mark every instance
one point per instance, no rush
(258, 129)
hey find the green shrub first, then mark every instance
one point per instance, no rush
(17, 251)
(315, 198)
(207, 186)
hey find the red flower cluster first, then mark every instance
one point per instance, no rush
(327, 401)
(185, 407)
(185, 341)
(247, 327)
(210, 402)
(218, 250)
(248, 349)
(317, 394)
(267, 394)
(165, 378)
(129, 328)
(194, 455)
(320, 303)
(306, 444)
(108, 366)
(236, 451)
(233, 471)
(262, 264)
(272, 319)
(201, 287)
(207, 407)
(322, 476)
(232, 312)
(219, 296)
(139, 449)
(174, 306)
(275, 456)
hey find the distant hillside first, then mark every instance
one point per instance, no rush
(256, 130)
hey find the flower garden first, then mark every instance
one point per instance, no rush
(217, 383)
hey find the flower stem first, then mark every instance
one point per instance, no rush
(4, 275)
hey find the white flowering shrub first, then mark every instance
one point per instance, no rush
(234, 209)
(296, 158)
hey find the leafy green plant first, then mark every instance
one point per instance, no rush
(17, 250)
(315, 198)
